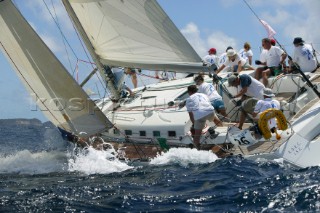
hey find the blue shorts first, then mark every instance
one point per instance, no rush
(235, 68)
(217, 104)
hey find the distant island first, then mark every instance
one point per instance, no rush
(24, 122)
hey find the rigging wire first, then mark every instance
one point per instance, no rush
(252, 10)
(283, 45)
(106, 92)
(65, 41)
(62, 34)
(314, 87)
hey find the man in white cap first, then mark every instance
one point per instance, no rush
(303, 57)
(223, 57)
(266, 103)
(236, 62)
(255, 107)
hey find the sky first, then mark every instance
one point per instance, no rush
(205, 24)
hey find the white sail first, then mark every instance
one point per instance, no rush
(135, 33)
(57, 94)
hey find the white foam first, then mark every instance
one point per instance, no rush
(26, 162)
(184, 156)
(91, 161)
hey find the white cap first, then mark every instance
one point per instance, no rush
(231, 52)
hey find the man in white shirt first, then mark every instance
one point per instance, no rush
(265, 104)
(200, 110)
(223, 57)
(212, 93)
(235, 62)
(211, 60)
(263, 54)
(246, 53)
(272, 57)
(302, 56)
(255, 107)
(248, 86)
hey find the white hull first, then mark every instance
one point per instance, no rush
(302, 148)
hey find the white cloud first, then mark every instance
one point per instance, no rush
(50, 41)
(278, 17)
(272, 3)
(289, 18)
(218, 40)
(192, 34)
(37, 12)
(303, 23)
(292, 18)
(221, 41)
(56, 9)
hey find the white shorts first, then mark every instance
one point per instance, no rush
(200, 123)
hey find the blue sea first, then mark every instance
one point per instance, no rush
(39, 172)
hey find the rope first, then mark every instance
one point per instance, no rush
(144, 108)
(56, 22)
(76, 70)
(64, 44)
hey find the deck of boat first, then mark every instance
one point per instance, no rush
(146, 151)
(314, 80)
(143, 152)
(263, 147)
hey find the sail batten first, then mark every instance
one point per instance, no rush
(54, 90)
(135, 33)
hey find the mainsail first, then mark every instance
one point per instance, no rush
(135, 33)
(57, 94)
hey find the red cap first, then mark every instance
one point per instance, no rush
(212, 50)
(273, 42)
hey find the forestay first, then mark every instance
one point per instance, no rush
(57, 94)
(135, 33)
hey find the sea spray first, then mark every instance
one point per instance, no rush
(26, 162)
(92, 161)
(184, 156)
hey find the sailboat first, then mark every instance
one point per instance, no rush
(136, 34)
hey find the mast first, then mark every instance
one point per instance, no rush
(106, 73)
